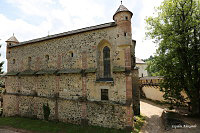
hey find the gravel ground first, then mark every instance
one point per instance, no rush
(154, 122)
(153, 117)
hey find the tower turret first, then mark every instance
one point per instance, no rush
(122, 18)
(122, 14)
(12, 41)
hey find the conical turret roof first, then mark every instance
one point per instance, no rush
(12, 39)
(122, 8)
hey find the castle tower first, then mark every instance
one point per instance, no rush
(12, 41)
(122, 18)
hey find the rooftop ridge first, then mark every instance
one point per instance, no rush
(100, 26)
(122, 8)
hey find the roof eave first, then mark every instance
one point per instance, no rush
(101, 26)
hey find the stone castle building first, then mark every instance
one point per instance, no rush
(87, 76)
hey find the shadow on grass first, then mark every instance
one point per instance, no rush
(153, 124)
(51, 126)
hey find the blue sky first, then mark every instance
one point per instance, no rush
(29, 19)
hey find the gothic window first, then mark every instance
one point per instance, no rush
(106, 62)
(104, 94)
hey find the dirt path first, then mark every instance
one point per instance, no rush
(7, 129)
(153, 117)
(154, 123)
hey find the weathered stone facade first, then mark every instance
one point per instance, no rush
(70, 72)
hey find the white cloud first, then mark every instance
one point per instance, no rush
(33, 7)
(20, 28)
(58, 16)
(145, 48)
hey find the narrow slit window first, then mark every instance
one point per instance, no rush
(29, 59)
(125, 34)
(47, 58)
(126, 18)
(104, 94)
(13, 61)
(29, 62)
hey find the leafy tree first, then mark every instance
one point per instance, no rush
(151, 68)
(176, 30)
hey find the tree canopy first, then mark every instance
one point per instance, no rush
(151, 67)
(176, 30)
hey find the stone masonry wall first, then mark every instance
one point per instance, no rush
(98, 113)
(59, 51)
(73, 97)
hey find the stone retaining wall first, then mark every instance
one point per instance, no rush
(97, 113)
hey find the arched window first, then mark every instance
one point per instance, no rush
(71, 54)
(106, 62)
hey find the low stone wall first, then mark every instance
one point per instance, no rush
(153, 93)
(71, 111)
(106, 115)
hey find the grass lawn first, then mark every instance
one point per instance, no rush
(52, 127)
